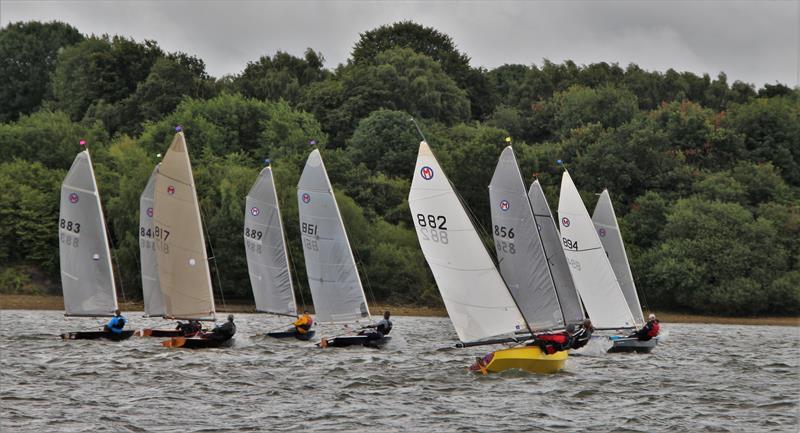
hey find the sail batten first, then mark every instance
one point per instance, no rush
(151, 288)
(522, 260)
(591, 271)
(265, 246)
(477, 300)
(87, 277)
(605, 221)
(332, 273)
(181, 256)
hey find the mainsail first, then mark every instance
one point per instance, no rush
(474, 294)
(151, 289)
(589, 265)
(551, 239)
(332, 273)
(265, 246)
(87, 278)
(523, 264)
(180, 245)
(605, 221)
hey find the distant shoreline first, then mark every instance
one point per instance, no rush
(51, 302)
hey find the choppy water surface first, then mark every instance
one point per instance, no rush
(701, 378)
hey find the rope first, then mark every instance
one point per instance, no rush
(213, 255)
(366, 276)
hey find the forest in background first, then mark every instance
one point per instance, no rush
(704, 174)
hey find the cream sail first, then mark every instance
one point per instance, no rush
(151, 288)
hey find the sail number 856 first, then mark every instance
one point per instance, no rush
(433, 228)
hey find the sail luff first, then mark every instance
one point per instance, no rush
(181, 255)
(522, 261)
(332, 273)
(568, 296)
(591, 270)
(477, 300)
(87, 277)
(265, 246)
(605, 221)
(151, 288)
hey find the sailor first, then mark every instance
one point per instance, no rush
(222, 332)
(583, 335)
(650, 329)
(303, 323)
(551, 343)
(382, 328)
(189, 328)
(116, 323)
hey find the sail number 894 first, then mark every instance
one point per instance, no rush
(433, 228)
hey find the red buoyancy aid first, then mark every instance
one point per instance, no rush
(654, 329)
(560, 338)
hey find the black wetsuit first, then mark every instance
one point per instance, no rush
(222, 332)
(581, 338)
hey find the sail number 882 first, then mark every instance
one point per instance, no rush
(433, 228)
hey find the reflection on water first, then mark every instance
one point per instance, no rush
(701, 378)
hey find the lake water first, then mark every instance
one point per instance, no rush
(699, 378)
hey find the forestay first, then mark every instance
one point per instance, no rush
(588, 263)
(265, 247)
(87, 278)
(151, 288)
(551, 241)
(522, 261)
(605, 221)
(180, 245)
(332, 274)
(474, 294)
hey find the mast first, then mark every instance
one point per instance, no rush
(265, 246)
(332, 274)
(477, 300)
(87, 278)
(180, 243)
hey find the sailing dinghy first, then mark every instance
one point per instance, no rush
(267, 260)
(480, 305)
(87, 277)
(332, 273)
(605, 222)
(181, 259)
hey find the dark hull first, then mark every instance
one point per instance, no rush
(196, 343)
(95, 335)
(293, 334)
(160, 333)
(354, 340)
(630, 345)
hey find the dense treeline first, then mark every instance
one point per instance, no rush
(705, 175)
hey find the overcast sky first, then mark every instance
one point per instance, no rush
(753, 41)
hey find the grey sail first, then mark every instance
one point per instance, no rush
(605, 221)
(522, 260)
(265, 247)
(332, 274)
(87, 278)
(551, 240)
(151, 288)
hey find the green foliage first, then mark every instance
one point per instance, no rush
(579, 106)
(29, 52)
(281, 76)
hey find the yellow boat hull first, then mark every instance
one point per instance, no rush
(528, 358)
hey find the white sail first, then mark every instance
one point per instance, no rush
(151, 288)
(265, 247)
(588, 263)
(332, 273)
(605, 221)
(180, 244)
(522, 260)
(476, 298)
(87, 279)
(565, 287)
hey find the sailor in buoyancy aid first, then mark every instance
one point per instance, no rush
(116, 323)
(554, 342)
(583, 335)
(303, 323)
(382, 328)
(650, 329)
(222, 332)
(189, 328)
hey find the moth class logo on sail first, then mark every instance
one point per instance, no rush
(426, 173)
(601, 232)
(505, 205)
(73, 198)
(565, 222)
(170, 190)
(306, 198)
(150, 212)
(255, 211)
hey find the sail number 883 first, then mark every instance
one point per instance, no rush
(433, 228)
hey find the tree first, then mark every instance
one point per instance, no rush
(28, 52)
(385, 141)
(281, 76)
